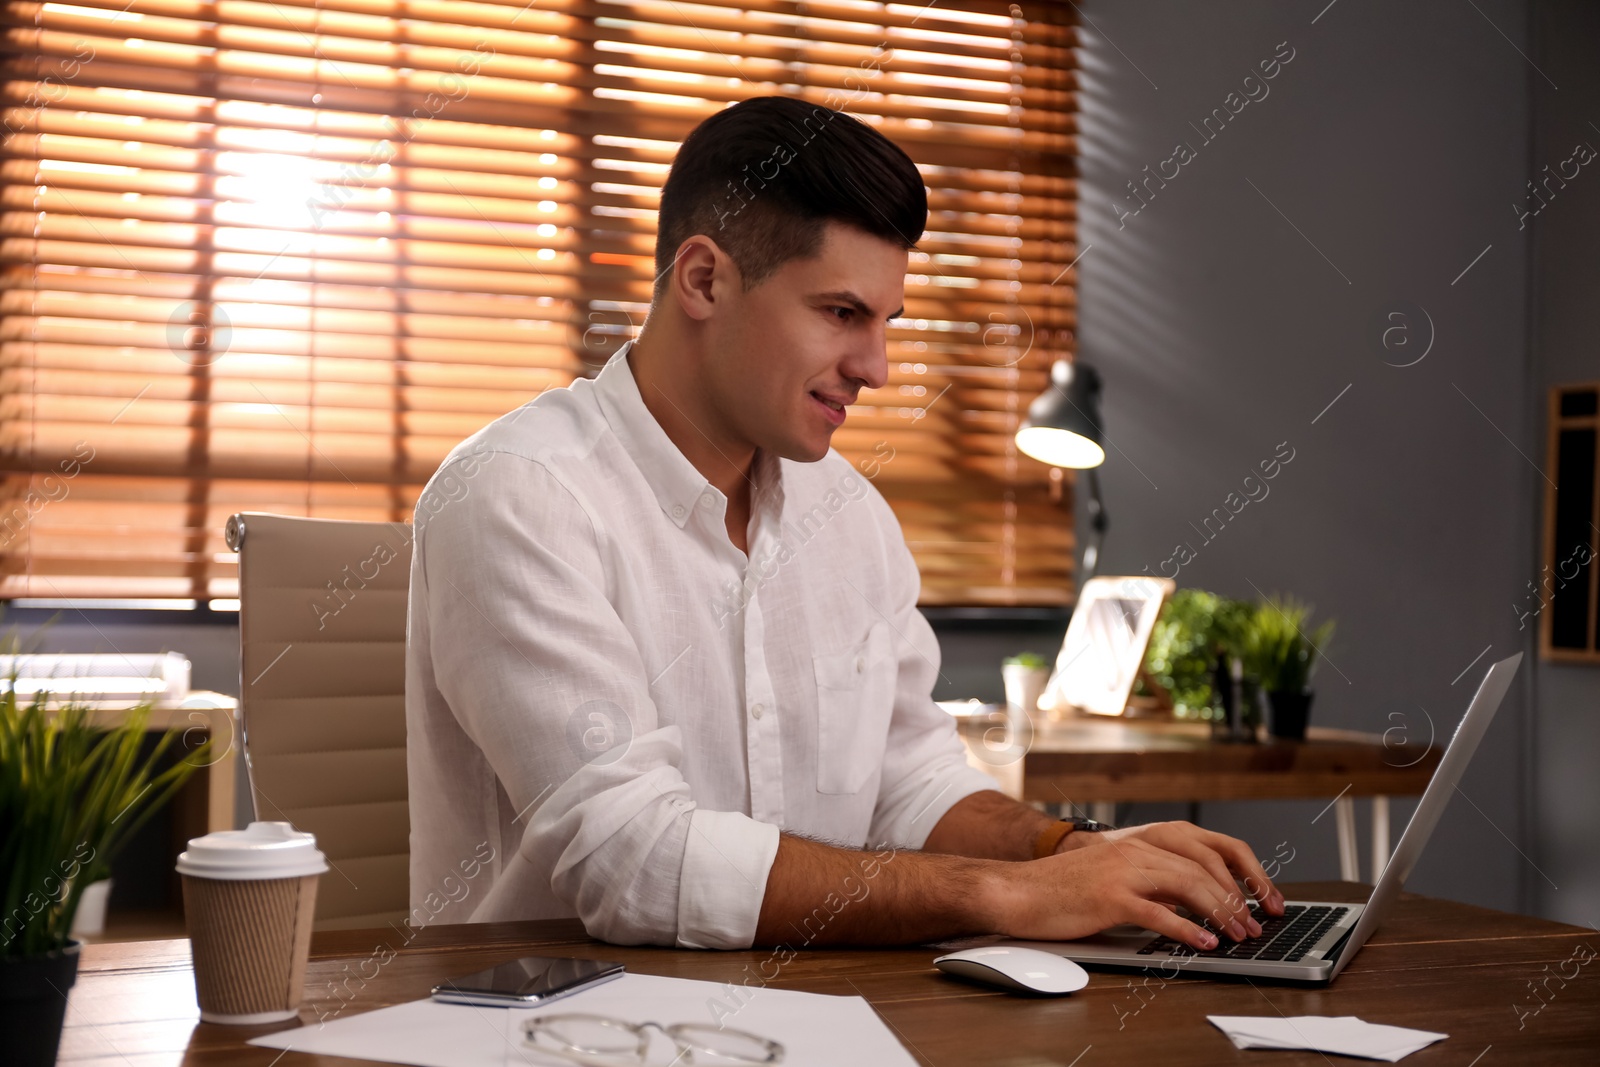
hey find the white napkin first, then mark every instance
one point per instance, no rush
(1345, 1035)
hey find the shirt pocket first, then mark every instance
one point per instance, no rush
(855, 700)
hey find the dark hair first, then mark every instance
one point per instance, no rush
(763, 176)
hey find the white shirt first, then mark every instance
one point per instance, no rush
(628, 710)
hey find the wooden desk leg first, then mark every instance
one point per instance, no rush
(221, 773)
(1344, 811)
(221, 782)
(1380, 836)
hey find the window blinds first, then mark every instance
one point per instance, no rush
(283, 255)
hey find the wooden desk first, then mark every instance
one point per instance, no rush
(1435, 965)
(1096, 762)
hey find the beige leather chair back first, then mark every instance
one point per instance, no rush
(322, 626)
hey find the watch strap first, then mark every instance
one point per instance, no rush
(1049, 838)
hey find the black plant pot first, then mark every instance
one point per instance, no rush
(1290, 712)
(1240, 702)
(33, 1004)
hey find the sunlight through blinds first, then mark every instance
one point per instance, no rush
(282, 256)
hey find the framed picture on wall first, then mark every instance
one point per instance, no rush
(1565, 601)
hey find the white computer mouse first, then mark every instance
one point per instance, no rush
(1028, 969)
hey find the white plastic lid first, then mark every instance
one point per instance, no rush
(265, 850)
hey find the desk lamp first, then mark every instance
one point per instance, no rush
(1063, 430)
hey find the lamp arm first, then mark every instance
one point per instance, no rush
(1097, 525)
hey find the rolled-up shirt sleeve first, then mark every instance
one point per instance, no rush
(925, 769)
(545, 679)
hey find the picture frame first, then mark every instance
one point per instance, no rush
(1103, 651)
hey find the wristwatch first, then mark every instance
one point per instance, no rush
(1050, 837)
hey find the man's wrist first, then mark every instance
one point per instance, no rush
(1076, 841)
(991, 899)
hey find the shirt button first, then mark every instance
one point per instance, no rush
(861, 664)
(707, 499)
(677, 511)
(756, 710)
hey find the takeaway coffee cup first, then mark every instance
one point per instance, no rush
(248, 899)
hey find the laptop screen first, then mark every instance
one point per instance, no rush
(1474, 724)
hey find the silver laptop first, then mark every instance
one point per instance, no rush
(1313, 940)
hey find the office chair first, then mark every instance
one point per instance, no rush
(322, 635)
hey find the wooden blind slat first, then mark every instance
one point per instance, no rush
(380, 271)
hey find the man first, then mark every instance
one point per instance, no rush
(665, 656)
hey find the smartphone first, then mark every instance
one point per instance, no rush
(527, 982)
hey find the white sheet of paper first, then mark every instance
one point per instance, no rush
(815, 1030)
(1346, 1035)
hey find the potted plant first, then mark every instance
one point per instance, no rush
(1196, 633)
(1236, 683)
(1025, 675)
(1282, 654)
(71, 795)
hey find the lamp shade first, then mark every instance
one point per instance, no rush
(1063, 423)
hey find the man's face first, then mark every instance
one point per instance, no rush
(800, 346)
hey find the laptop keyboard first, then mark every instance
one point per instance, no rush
(1287, 937)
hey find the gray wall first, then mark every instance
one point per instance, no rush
(1251, 292)
(1565, 342)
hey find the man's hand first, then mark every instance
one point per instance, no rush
(1081, 892)
(1171, 864)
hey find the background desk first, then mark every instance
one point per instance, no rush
(205, 713)
(1094, 763)
(205, 804)
(1435, 965)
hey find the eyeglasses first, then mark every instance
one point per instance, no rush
(602, 1041)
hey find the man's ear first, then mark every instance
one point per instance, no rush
(702, 273)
